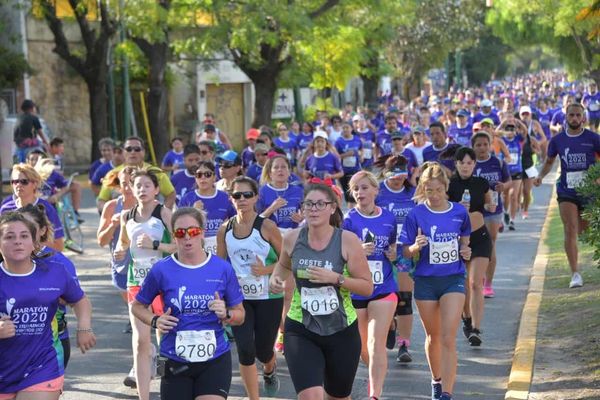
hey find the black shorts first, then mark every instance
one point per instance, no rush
(481, 243)
(327, 361)
(517, 177)
(186, 381)
(358, 304)
(579, 201)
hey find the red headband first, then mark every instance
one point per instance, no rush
(327, 182)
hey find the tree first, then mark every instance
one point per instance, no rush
(553, 23)
(12, 67)
(90, 61)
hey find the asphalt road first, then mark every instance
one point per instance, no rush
(482, 372)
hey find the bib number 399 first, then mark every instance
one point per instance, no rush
(443, 252)
(196, 346)
(320, 301)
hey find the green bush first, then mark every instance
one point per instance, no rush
(590, 188)
(310, 114)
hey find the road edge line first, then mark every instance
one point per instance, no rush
(521, 373)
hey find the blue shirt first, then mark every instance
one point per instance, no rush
(290, 147)
(9, 204)
(351, 164)
(514, 149)
(430, 153)
(294, 194)
(218, 209)
(368, 140)
(492, 115)
(101, 173)
(173, 159)
(384, 143)
(494, 171)
(183, 182)
(461, 136)
(188, 290)
(443, 229)
(398, 203)
(254, 171)
(93, 168)
(318, 166)
(53, 184)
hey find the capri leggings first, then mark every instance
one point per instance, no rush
(328, 361)
(255, 338)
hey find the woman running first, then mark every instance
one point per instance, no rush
(202, 294)
(376, 228)
(474, 194)
(497, 175)
(438, 232)
(280, 202)
(324, 163)
(215, 203)
(396, 195)
(32, 361)
(252, 244)
(349, 147)
(514, 142)
(322, 341)
(145, 235)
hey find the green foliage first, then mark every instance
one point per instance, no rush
(487, 59)
(590, 189)
(310, 114)
(12, 67)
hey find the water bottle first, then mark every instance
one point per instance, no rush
(466, 197)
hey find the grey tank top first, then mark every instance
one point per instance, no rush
(321, 308)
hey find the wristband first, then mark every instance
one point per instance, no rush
(154, 321)
(155, 244)
(88, 330)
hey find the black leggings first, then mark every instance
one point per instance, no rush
(255, 338)
(66, 344)
(329, 361)
(186, 381)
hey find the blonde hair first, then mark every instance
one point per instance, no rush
(265, 176)
(431, 171)
(44, 167)
(29, 172)
(360, 175)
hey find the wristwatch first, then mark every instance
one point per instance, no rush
(154, 321)
(227, 315)
(340, 280)
(155, 244)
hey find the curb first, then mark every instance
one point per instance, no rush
(521, 373)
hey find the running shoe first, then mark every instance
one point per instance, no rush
(488, 292)
(506, 218)
(391, 339)
(467, 326)
(446, 396)
(271, 383)
(576, 281)
(403, 354)
(130, 380)
(279, 343)
(436, 390)
(525, 215)
(475, 337)
(511, 226)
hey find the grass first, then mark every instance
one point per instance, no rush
(571, 315)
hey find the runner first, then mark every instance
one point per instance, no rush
(117, 159)
(367, 137)
(32, 361)
(376, 228)
(383, 142)
(396, 195)
(497, 175)
(322, 341)
(591, 101)
(280, 201)
(184, 182)
(579, 149)
(252, 244)
(349, 147)
(514, 142)
(203, 294)
(215, 203)
(144, 234)
(261, 152)
(106, 147)
(535, 144)
(173, 159)
(439, 144)
(287, 143)
(474, 194)
(419, 142)
(323, 163)
(230, 167)
(460, 132)
(438, 231)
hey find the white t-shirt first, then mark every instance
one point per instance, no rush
(418, 151)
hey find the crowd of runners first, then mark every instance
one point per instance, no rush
(315, 241)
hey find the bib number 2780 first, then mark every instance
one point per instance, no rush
(196, 346)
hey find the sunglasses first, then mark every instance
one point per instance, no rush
(226, 166)
(192, 231)
(260, 154)
(21, 181)
(129, 149)
(204, 152)
(239, 195)
(207, 174)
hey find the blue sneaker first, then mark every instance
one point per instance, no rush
(446, 396)
(436, 390)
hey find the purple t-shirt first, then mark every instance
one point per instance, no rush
(462, 135)
(9, 205)
(592, 102)
(172, 159)
(318, 166)
(492, 115)
(199, 335)
(248, 157)
(443, 229)
(494, 171)
(290, 147)
(515, 149)
(302, 141)
(381, 228)
(294, 195)
(254, 171)
(53, 184)
(183, 182)
(577, 154)
(558, 118)
(101, 172)
(545, 120)
(430, 153)
(384, 143)
(93, 168)
(34, 355)
(350, 164)
(368, 140)
(398, 203)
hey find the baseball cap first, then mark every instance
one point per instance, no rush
(210, 127)
(419, 129)
(357, 118)
(462, 113)
(252, 133)
(230, 156)
(320, 134)
(486, 103)
(524, 109)
(397, 135)
(487, 121)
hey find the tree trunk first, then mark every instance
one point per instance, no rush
(370, 86)
(158, 98)
(98, 113)
(265, 88)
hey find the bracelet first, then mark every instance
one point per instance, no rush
(88, 330)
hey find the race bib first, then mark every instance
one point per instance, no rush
(319, 301)
(367, 154)
(514, 158)
(575, 179)
(443, 252)
(254, 287)
(210, 244)
(494, 197)
(398, 232)
(376, 268)
(196, 346)
(349, 162)
(141, 269)
(595, 106)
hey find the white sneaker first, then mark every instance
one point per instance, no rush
(576, 281)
